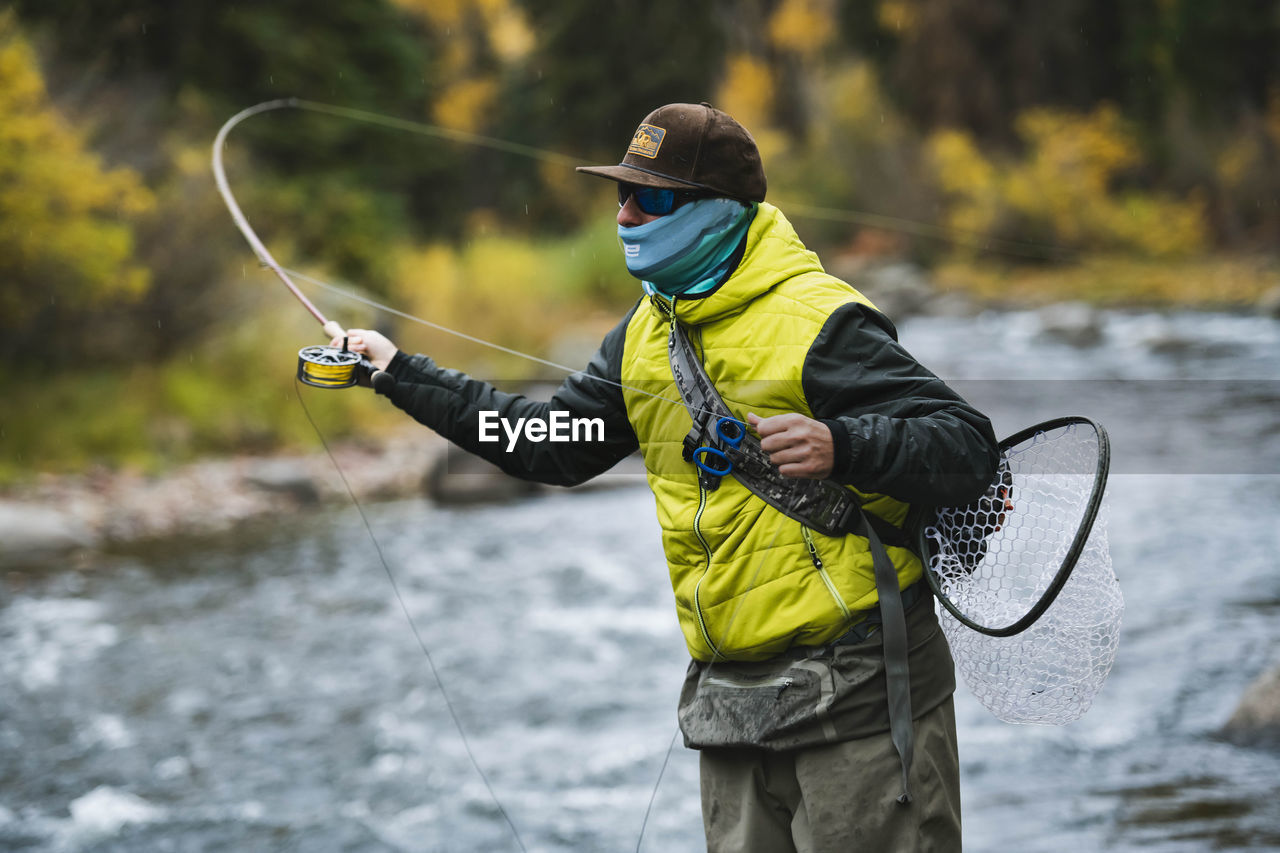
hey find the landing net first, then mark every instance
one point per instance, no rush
(1041, 525)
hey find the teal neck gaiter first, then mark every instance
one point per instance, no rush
(687, 252)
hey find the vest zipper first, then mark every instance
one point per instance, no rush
(697, 531)
(822, 572)
(697, 588)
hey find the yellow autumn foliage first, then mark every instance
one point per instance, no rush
(859, 109)
(746, 92)
(970, 179)
(65, 229)
(469, 92)
(803, 26)
(505, 28)
(465, 105)
(521, 294)
(1065, 188)
(510, 36)
(897, 16)
(1243, 158)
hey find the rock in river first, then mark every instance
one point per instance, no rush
(1256, 721)
(30, 532)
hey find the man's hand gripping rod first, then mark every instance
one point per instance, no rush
(321, 366)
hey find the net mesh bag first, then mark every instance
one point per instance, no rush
(996, 558)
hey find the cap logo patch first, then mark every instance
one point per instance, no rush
(647, 141)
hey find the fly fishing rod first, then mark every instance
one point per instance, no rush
(337, 367)
(320, 366)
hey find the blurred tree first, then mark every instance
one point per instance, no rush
(800, 33)
(480, 39)
(1224, 58)
(482, 45)
(1193, 77)
(207, 59)
(353, 51)
(66, 230)
(600, 66)
(977, 65)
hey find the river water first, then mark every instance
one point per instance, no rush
(265, 691)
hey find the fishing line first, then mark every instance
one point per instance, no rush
(309, 372)
(532, 152)
(327, 374)
(755, 575)
(305, 373)
(958, 236)
(653, 795)
(437, 131)
(572, 371)
(413, 626)
(472, 338)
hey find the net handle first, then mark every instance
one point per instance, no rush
(1101, 472)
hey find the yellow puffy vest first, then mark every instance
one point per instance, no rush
(746, 584)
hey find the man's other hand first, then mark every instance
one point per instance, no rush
(801, 447)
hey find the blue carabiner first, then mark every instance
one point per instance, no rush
(731, 431)
(711, 451)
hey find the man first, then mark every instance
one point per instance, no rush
(790, 695)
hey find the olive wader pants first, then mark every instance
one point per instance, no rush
(837, 798)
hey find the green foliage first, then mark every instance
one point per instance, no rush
(600, 65)
(230, 396)
(241, 53)
(208, 59)
(1220, 57)
(331, 218)
(976, 65)
(236, 393)
(66, 239)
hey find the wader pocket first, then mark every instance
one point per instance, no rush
(810, 696)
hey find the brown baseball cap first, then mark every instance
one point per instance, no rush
(690, 146)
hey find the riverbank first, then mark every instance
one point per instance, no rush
(1249, 283)
(70, 517)
(61, 520)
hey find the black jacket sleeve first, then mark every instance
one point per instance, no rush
(898, 429)
(450, 402)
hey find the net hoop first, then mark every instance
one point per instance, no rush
(1031, 605)
(1036, 433)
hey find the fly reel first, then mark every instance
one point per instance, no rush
(330, 367)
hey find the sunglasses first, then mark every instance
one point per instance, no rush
(656, 201)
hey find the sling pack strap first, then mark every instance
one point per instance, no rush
(894, 637)
(818, 504)
(822, 505)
